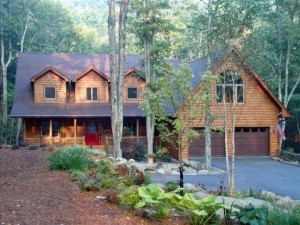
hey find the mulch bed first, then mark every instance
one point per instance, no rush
(31, 194)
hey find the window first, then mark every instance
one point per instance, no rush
(230, 88)
(132, 92)
(91, 94)
(50, 92)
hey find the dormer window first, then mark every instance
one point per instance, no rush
(91, 94)
(132, 93)
(50, 92)
(230, 88)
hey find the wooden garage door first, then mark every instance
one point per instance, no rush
(252, 141)
(197, 147)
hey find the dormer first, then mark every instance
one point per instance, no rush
(49, 86)
(91, 86)
(134, 85)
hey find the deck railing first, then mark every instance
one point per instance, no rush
(55, 141)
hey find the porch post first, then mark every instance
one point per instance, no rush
(50, 132)
(75, 131)
(24, 130)
(138, 128)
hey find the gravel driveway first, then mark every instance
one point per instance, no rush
(261, 173)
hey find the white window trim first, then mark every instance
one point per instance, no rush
(92, 90)
(137, 93)
(234, 86)
(45, 92)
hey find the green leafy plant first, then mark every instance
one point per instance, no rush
(129, 197)
(105, 166)
(200, 211)
(172, 185)
(162, 151)
(106, 181)
(251, 215)
(154, 196)
(70, 158)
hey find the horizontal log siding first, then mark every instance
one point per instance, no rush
(132, 82)
(50, 80)
(258, 110)
(91, 80)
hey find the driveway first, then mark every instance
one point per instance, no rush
(260, 173)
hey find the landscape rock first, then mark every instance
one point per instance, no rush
(148, 213)
(131, 161)
(203, 172)
(268, 194)
(161, 171)
(191, 163)
(174, 172)
(285, 202)
(150, 168)
(191, 187)
(101, 197)
(190, 171)
(118, 159)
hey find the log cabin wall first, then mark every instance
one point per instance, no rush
(258, 110)
(131, 81)
(91, 80)
(50, 80)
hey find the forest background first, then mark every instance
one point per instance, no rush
(267, 32)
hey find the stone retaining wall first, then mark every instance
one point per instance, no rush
(289, 156)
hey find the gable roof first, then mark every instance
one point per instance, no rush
(69, 66)
(261, 83)
(200, 65)
(45, 71)
(92, 68)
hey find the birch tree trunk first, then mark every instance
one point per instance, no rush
(207, 106)
(4, 66)
(149, 77)
(117, 71)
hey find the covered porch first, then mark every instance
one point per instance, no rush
(82, 131)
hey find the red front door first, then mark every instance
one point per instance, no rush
(92, 133)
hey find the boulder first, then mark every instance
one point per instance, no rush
(174, 172)
(285, 202)
(131, 161)
(161, 171)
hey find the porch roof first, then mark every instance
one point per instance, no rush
(72, 110)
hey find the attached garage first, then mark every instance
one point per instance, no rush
(249, 141)
(252, 141)
(197, 147)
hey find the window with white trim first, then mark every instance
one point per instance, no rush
(230, 88)
(50, 92)
(91, 94)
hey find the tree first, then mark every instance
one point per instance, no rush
(117, 69)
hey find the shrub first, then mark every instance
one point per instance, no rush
(75, 175)
(105, 166)
(129, 175)
(87, 183)
(33, 147)
(15, 147)
(23, 144)
(70, 158)
(133, 150)
(43, 145)
(172, 185)
(107, 181)
(129, 197)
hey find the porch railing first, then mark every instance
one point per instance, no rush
(55, 141)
